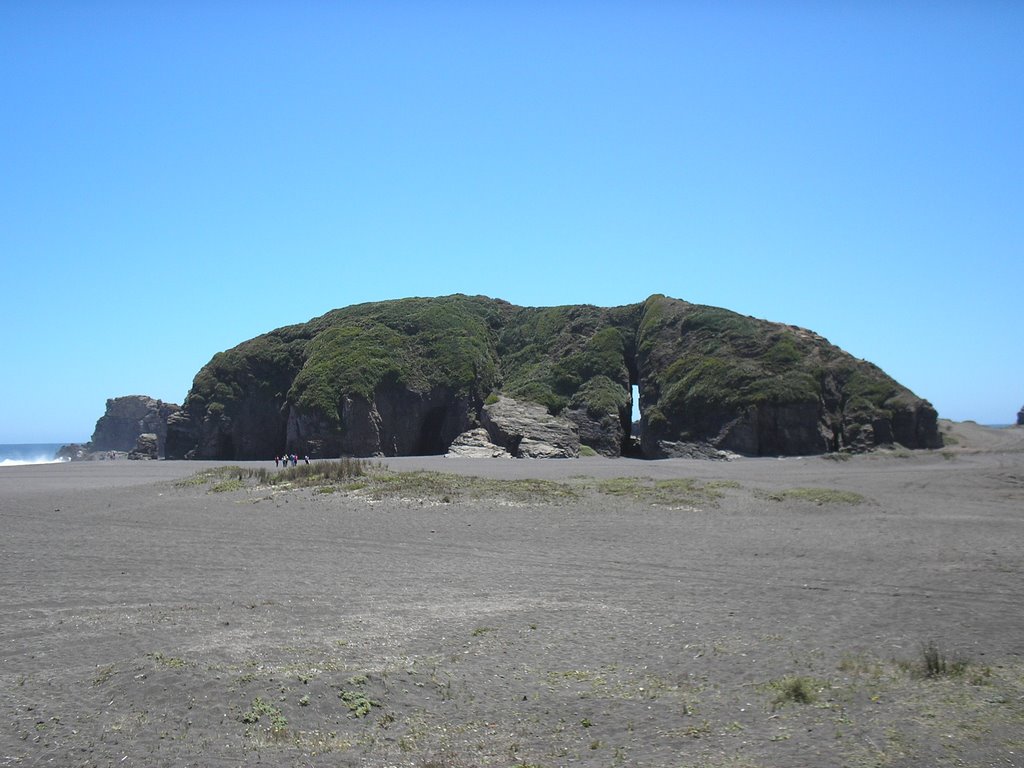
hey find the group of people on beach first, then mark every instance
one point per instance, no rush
(288, 457)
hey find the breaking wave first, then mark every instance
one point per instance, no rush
(23, 462)
(19, 455)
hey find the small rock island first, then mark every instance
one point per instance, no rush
(474, 375)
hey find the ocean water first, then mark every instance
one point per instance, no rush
(19, 454)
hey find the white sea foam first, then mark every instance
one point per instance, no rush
(19, 455)
(24, 462)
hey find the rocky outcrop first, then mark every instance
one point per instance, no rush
(145, 447)
(395, 421)
(183, 436)
(476, 444)
(527, 430)
(1020, 417)
(126, 418)
(122, 427)
(410, 376)
(72, 452)
(666, 449)
(603, 432)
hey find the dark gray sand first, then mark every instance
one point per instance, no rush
(741, 623)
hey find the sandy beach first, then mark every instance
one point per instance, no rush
(591, 612)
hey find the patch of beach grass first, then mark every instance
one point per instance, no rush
(718, 485)
(208, 476)
(319, 472)
(671, 492)
(227, 486)
(819, 496)
(859, 664)
(168, 661)
(933, 662)
(936, 698)
(447, 488)
(358, 703)
(326, 473)
(795, 689)
(261, 707)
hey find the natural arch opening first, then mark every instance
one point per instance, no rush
(636, 403)
(631, 439)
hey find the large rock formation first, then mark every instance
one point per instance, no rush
(1020, 417)
(128, 417)
(410, 376)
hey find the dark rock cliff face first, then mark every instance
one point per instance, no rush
(410, 376)
(126, 418)
(1020, 417)
(762, 389)
(395, 421)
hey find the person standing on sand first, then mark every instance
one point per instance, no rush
(277, 461)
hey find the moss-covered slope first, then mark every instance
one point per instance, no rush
(407, 376)
(762, 388)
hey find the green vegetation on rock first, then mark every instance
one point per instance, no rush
(409, 375)
(413, 343)
(547, 354)
(764, 387)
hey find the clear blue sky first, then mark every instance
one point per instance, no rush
(177, 177)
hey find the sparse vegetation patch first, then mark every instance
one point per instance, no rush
(817, 496)
(447, 488)
(933, 662)
(672, 492)
(796, 689)
(262, 708)
(168, 661)
(322, 473)
(358, 703)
